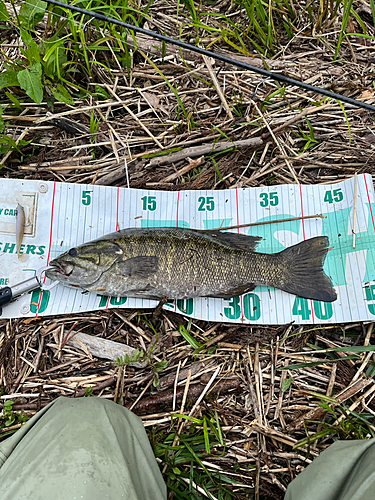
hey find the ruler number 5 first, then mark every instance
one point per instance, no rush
(86, 198)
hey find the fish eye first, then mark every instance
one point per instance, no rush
(73, 252)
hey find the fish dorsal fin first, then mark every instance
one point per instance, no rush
(234, 240)
(141, 267)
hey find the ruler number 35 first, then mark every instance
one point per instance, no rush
(267, 199)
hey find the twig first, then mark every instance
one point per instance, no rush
(217, 86)
(316, 216)
(205, 149)
(205, 391)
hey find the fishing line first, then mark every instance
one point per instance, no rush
(219, 57)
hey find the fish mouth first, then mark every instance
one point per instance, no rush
(65, 271)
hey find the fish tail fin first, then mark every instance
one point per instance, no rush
(304, 270)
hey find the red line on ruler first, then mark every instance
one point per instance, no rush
(49, 245)
(117, 201)
(238, 231)
(238, 218)
(369, 203)
(178, 202)
(116, 229)
(303, 222)
(304, 237)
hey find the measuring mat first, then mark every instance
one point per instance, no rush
(61, 216)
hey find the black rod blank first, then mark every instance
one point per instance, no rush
(228, 60)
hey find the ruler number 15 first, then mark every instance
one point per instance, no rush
(149, 203)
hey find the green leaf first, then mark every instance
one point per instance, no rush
(4, 16)
(316, 363)
(10, 421)
(156, 380)
(31, 82)
(286, 384)
(14, 100)
(206, 437)
(61, 94)
(31, 12)
(54, 56)
(160, 366)
(32, 51)
(7, 144)
(100, 92)
(8, 78)
(188, 337)
(1, 121)
(355, 348)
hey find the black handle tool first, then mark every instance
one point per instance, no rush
(10, 293)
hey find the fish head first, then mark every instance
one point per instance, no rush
(84, 265)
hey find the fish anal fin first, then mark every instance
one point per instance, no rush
(141, 267)
(234, 292)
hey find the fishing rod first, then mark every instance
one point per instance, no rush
(219, 57)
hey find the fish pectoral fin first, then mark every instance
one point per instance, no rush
(234, 292)
(140, 267)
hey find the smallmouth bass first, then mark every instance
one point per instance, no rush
(182, 263)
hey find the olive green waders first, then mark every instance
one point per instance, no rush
(87, 448)
(344, 471)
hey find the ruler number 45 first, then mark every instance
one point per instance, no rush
(333, 196)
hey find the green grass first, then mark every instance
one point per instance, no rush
(339, 423)
(10, 418)
(185, 457)
(64, 60)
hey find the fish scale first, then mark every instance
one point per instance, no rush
(181, 263)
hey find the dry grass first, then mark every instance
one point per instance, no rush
(263, 411)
